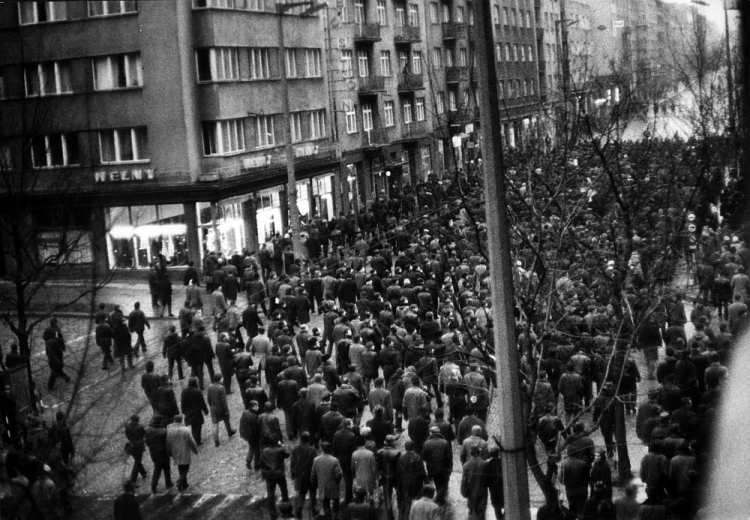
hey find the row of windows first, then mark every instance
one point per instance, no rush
(406, 15)
(511, 89)
(110, 72)
(41, 12)
(450, 58)
(411, 111)
(514, 52)
(407, 63)
(229, 136)
(235, 63)
(126, 145)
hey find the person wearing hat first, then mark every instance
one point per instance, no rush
(138, 323)
(303, 415)
(344, 444)
(604, 414)
(125, 505)
(172, 352)
(135, 433)
(301, 462)
(166, 400)
(438, 457)
(387, 458)
(180, 446)
(217, 403)
(156, 441)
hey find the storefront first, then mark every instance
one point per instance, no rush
(268, 213)
(137, 234)
(229, 237)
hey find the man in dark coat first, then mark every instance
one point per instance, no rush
(303, 416)
(301, 464)
(104, 337)
(156, 441)
(387, 458)
(493, 472)
(138, 323)
(410, 476)
(344, 444)
(273, 472)
(474, 485)
(150, 382)
(419, 428)
(166, 400)
(194, 408)
(224, 355)
(287, 392)
(172, 352)
(122, 342)
(438, 457)
(55, 348)
(250, 433)
(330, 421)
(251, 321)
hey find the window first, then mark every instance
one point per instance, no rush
(110, 8)
(259, 68)
(513, 18)
(462, 58)
(507, 52)
(45, 79)
(351, 116)
(123, 145)
(452, 100)
(528, 19)
(434, 13)
(54, 150)
(440, 102)
(414, 15)
(501, 89)
(529, 53)
(450, 59)
(437, 58)
(522, 52)
(359, 12)
(385, 63)
(416, 62)
(408, 116)
(363, 64)
(400, 15)
(403, 62)
(519, 91)
(317, 124)
(223, 137)
(459, 14)
(388, 113)
(264, 131)
(290, 59)
(382, 13)
(295, 126)
(121, 71)
(39, 12)
(471, 15)
(312, 63)
(346, 64)
(421, 115)
(446, 13)
(506, 18)
(499, 51)
(367, 117)
(496, 14)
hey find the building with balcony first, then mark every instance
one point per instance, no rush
(166, 120)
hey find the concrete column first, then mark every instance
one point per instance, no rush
(99, 239)
(195, 251)
(284, 205)
(251, 224)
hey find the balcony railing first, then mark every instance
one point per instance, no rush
(371, 84)
(406, 33)
(414, 130)
(453, 30)
(463, 115)
(375, 137)
(456, 74)
(367, 32)
(408, 82)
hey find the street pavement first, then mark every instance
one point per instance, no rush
(220, 484)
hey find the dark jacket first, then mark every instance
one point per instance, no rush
(303, 417)
(122, 339)
(438, 455)
(344, 444)
(301, 463)
(156, 440)
(250, 427)
(272, 462)
(410, 475)
(193, 405)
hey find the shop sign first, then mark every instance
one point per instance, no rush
(257, 161)
(139, 174)
(305, 150)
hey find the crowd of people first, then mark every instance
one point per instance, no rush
(369, 359)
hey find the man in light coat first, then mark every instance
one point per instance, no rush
(217, 404)
(180, 444)
(364, 468)
(326, 478)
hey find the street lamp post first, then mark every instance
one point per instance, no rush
(291, 177)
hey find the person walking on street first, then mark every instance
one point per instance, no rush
(55, 348)
(274, 473)
(104, 337)
(136, 435)
(181, 446)
(165, 295)
(303, 456)
(138, 323)
(194, 407)
(172, 352)
(217, 403)
(156, 441)
(150, 382)
(425, 508)
(250, 433)
(438, 457)
(153, 285)
(474, 485)
(326, 478)
(123, 342)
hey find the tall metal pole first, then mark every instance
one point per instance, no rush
(291, 177)
(508, 416)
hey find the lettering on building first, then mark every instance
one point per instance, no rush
(139, 174)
